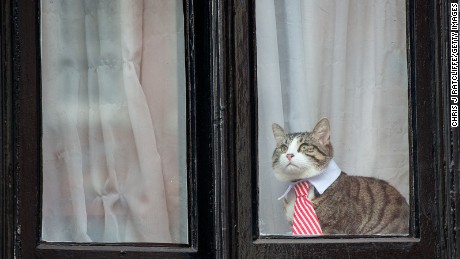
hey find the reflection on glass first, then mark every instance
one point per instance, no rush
(114, 146)
(346, 61)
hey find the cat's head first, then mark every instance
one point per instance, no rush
(301, 155)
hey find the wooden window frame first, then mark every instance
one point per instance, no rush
(222, 109)
(21, 138)
(434, 149)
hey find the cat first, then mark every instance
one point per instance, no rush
(351, 205)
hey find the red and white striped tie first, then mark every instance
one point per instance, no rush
(305, 220)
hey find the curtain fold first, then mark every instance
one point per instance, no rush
(103, 169)
(345, 60)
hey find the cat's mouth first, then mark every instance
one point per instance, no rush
(291, 165)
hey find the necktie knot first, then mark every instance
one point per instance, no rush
(301, 189)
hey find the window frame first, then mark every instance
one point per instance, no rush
(222, 102)
(433, 145)
(22, 156)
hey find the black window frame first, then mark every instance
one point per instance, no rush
(21, 138)
(222, 97)
(434, 149)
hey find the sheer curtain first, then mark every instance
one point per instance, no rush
(114, 147)
(341, 59)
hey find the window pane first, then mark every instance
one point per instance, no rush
(344, 60)
(114, 121)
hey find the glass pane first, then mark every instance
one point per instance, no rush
(114, 121)
(344, 61)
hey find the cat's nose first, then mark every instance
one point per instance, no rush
(289, 156)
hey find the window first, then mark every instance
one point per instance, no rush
(345, 61)
(426, 99)
(114, 126)
(27, 223)
(221, 93)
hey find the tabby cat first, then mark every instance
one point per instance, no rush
(350, 204)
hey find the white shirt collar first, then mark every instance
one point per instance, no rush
(321, 181)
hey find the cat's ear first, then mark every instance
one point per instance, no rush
(322, 131)
(279, 133)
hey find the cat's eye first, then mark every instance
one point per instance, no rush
(306, 148)
(283, 148)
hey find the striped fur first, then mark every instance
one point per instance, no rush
(352, 205)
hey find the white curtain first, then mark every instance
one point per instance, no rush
(114, 146)
(341, 59)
